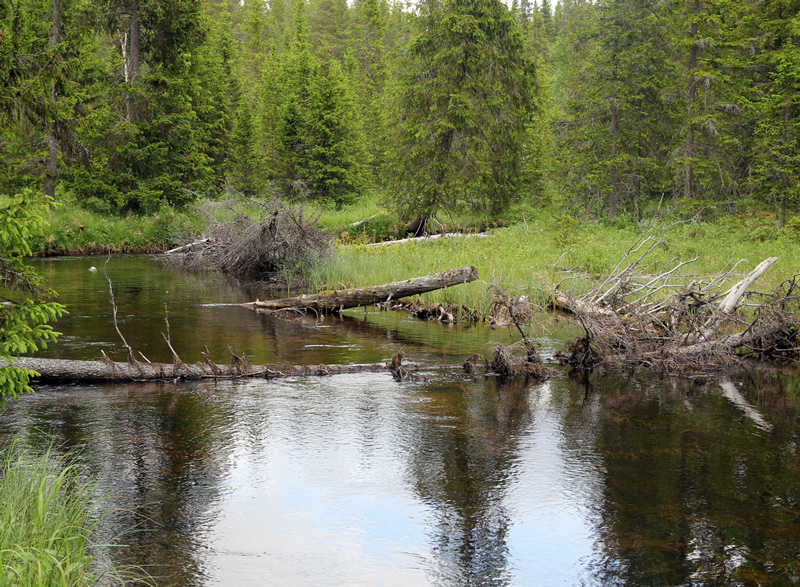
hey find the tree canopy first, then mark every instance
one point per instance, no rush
(608, 108)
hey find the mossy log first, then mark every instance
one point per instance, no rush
(337, 300)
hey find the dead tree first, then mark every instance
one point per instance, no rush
(253, 240)
(661, 321)
(337, 300)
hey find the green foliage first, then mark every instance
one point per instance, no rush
(334, 162)
(465, 101)
(46, 527)
(44, 539)
(617, 108)
(158, 159)
(24, 323)
(776, 162)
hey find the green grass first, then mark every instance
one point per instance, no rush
(45, 525)
(520, 259)
(75, 230)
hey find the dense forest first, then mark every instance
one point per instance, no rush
(612, 108)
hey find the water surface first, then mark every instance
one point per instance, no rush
(442, 480)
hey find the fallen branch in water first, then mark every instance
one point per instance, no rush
(337, 300)
(658, 322)
(69, 371)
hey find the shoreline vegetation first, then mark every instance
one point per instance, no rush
(48, 524)
(529, 253)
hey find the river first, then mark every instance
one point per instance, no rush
(441, 480)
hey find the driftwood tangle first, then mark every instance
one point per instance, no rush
(649, 320)
(337, 300)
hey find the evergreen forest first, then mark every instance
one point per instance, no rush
(607, 109)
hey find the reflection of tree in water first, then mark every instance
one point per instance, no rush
(461, 458)
(162, 450)
(695, 493)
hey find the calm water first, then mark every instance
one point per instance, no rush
(441, 480)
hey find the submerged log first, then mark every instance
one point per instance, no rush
(337, 300)
(62, 370)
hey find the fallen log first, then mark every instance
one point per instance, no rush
(63, 370)
(670, 326)
(431, 237)
(337, 300)
(186, 247)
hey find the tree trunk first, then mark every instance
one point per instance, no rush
(135, 41)
(690, 98)
(52, 141)
(62, 370)
(335, 301)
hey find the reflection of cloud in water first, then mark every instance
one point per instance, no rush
(553, 496)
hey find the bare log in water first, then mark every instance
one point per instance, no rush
(62, 370)
(337, 300)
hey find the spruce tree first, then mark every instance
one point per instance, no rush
(335, 161)
(242, 164)
(776, 163)
(615, 139)
(465, 102)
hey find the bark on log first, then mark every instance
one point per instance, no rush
(579, 307)
(184, 248)
(730, 302)
(62, 370)
(335, 301)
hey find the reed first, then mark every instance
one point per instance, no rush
(46, 524)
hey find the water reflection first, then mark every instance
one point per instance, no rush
(696, 492)
(441, 480)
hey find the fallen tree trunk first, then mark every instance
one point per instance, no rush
(62, 370)
(337, 300)
(431, 237)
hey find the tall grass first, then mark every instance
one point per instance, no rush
(74, 230)
(522, 258)
(45, 525)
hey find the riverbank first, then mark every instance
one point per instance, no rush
(46, 522)
(533, 256)
(528, 252)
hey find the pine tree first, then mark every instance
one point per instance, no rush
(147, 142)
(369, 71)
(776, 164)
(705, 165)
(466, 99)
(242, 165)
(45, 57)
(615, 137)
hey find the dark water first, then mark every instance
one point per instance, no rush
(363, 481)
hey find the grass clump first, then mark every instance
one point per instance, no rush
(45, 525)
(75, 230)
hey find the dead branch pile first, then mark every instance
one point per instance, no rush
(252, 240)
(520, 358)
(657, 319)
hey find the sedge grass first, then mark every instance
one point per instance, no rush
(520, 259)
(72, 229)
(45, 524)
